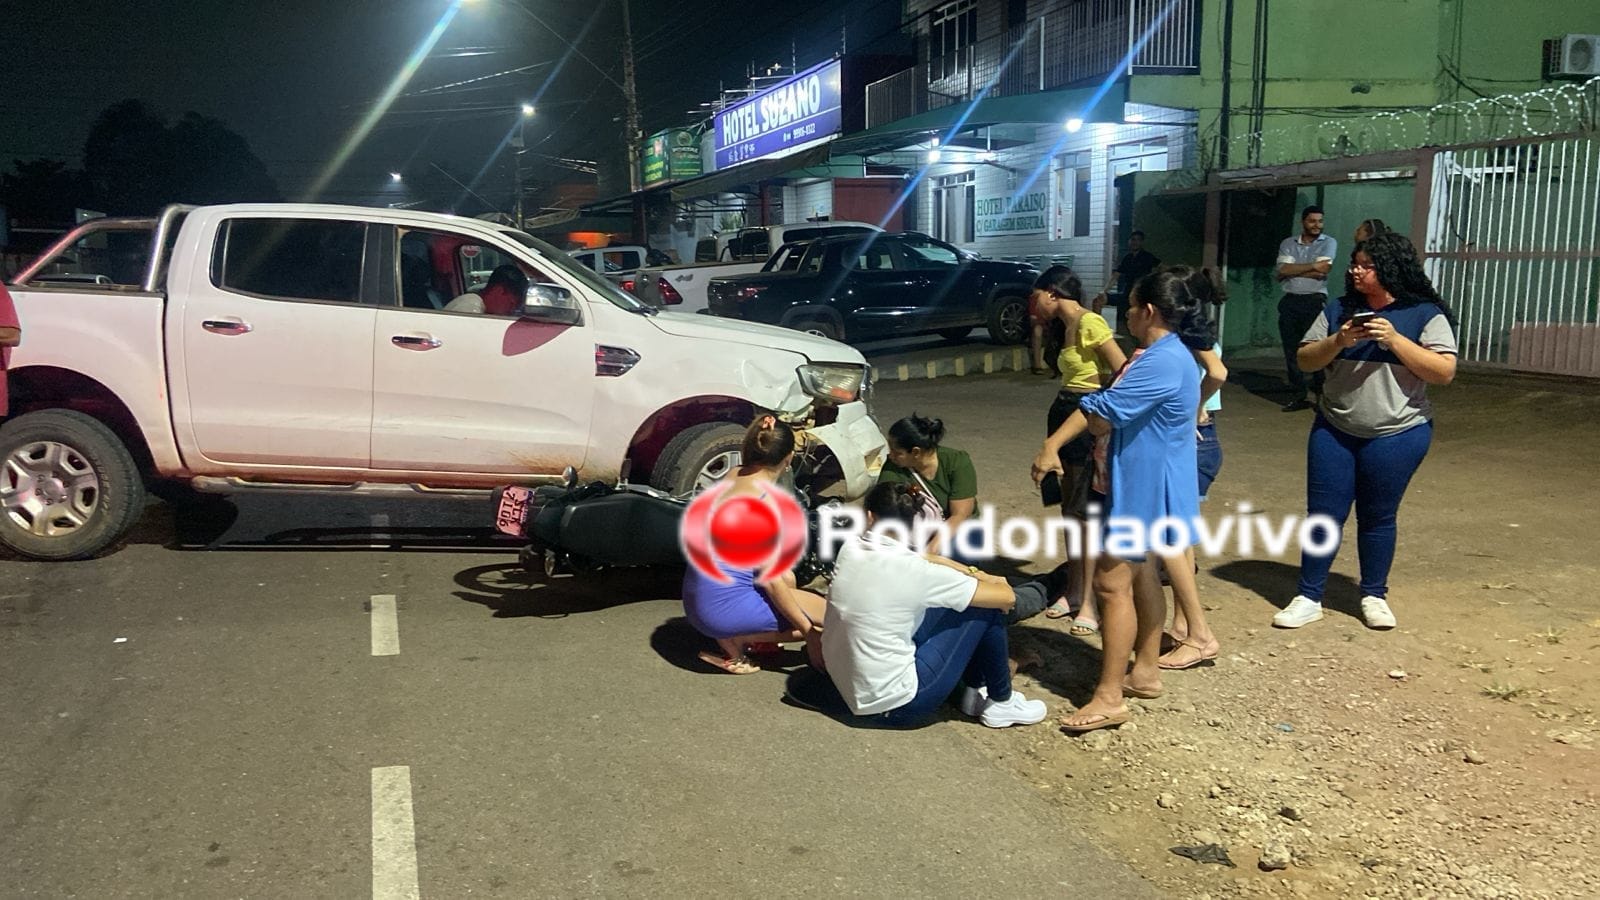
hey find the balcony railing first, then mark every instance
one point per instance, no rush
(1081, 42)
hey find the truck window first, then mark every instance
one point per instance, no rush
(113, 259)
(749, 245)
(622, 260)
(291, 259)
(705, 250)
(811, 234)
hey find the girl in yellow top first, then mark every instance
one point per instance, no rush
(1089, 355)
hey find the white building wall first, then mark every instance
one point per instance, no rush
(804, 202)
(1036, 161)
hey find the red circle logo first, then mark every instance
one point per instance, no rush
(766, 533)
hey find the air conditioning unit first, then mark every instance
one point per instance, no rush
(1572, 56)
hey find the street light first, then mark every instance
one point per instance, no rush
(395, 177)
(521, 147)
(1074, 124)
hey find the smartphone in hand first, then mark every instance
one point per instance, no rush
(1360, 319)
(1050, 490)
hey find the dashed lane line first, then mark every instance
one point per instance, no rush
(385, 626)
(394, 835)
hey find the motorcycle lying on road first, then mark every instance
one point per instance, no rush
(578, 529)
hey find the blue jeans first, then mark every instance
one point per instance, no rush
(967, 646)
(1208, 456)
(1373, 474)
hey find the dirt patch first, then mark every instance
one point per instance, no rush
(1457, 756)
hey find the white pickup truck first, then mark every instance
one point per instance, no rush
(303, 347)
(683, 287)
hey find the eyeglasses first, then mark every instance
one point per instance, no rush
(1360, 267)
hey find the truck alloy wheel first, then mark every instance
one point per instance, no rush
(698, 457)
(68, 487)
(1008, 320)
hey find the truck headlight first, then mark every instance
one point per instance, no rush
(835, 383)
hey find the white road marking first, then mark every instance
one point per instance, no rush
(394, 835)
(385, 626)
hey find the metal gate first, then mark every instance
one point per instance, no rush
(1514, 245)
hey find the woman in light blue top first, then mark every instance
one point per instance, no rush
(1150, 415)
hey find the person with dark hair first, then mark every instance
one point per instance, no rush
(1149, 414)
(917, 455)
(501, 295)
(1046, 337)
(1190, 641)
(1303, 266)
(1137, 263)
(1382, 343)
(903, 630)
(1370, 228)
(742, 613)
(1088, 356)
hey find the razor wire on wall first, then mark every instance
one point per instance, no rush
(1556, 110)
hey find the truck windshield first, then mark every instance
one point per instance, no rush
(577, 271)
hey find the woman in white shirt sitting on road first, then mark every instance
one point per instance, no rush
(903, 630)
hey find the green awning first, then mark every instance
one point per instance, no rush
(1045, 108)
(750, 173)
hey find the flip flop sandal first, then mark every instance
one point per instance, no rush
(1114, 720)
(739, 666)
(1170, 641)
(1058, 610)
(1084, 627)
(1205, 659)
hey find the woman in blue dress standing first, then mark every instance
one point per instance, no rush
(1149, 414)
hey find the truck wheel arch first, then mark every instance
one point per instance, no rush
(36, 388)
(798, 315)
(673, 419)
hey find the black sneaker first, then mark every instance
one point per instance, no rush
(1297, 405)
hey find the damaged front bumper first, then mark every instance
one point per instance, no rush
(856, 442)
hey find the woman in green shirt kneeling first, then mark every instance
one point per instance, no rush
(917, 457)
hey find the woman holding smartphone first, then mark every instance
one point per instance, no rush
(1381, 345)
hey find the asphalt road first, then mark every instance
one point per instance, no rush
(201, 714)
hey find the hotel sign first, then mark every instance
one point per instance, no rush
(800, 110)
(1024, 214)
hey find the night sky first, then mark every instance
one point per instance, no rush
(297, 77)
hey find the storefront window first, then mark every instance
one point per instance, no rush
(954, 212)
(1073, 201)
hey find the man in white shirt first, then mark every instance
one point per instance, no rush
(1303, 266)
(505, 291)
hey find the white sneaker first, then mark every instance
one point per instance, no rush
(1300, 611)
(973, 699)
(1016, 710)
(1376, 612)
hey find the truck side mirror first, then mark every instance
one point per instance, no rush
(569, 475)
(550, 303)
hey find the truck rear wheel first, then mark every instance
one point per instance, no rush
(698, 457)
(1008, 319)
(68, 487)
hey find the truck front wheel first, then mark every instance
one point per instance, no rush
(698, 457)
(68, 487)
(1008, 319)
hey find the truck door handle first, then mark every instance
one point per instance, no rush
(230, 325)
(416, 341)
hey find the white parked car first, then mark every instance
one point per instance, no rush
(303, 347)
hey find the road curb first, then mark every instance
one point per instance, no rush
(984, 362)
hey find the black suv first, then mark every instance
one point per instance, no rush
(861, 287)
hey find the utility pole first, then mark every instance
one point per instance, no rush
(631, 128)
